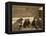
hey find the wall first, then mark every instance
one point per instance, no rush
(25, 11)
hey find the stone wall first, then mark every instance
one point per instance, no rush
(24, 11)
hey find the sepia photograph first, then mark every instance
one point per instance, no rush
(26, 18)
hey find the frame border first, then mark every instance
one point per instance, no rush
(8, 17)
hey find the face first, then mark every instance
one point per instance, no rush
(35, 19)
